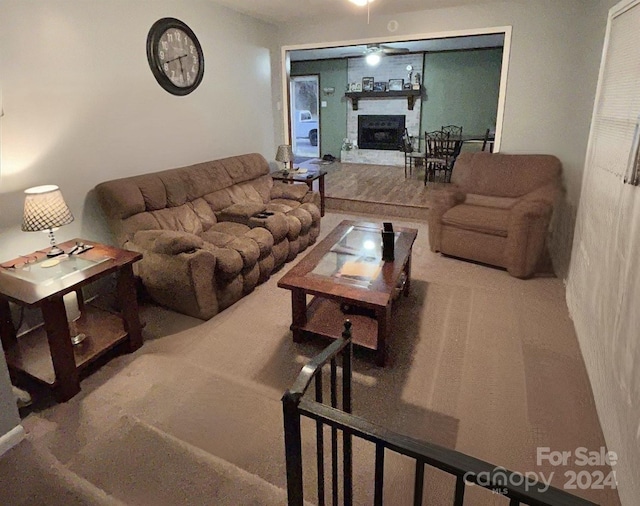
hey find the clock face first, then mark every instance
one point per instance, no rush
(175, 56)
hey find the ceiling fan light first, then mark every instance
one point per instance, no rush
(361, 3)
(372, 59)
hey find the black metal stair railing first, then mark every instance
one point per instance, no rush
(465, 468)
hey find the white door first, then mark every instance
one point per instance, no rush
(305, 118)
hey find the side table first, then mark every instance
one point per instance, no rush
(305, 177)
(46, 353)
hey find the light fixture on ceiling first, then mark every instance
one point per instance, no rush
(372, 59)
(362, 3)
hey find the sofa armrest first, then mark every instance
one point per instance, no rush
(281, 190)
(185, 282)
(240, 212)
(441, 202)
(168, 242)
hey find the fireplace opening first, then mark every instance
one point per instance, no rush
(380, 131)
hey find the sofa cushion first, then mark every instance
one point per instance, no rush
(262, 238)
(248, 248)
(230, 228)
(168, 242)
(182, 219)
(474, 199)
(289, 191)
(282, 205)
(486, 220)
(229, 263)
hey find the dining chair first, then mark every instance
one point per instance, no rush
(489, 139)
(411, 157)
(440, 154)
(453, 131)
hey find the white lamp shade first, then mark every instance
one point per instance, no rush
(285, 153)
(44, 209)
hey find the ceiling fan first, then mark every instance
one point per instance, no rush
(381, 48)
(374, 52)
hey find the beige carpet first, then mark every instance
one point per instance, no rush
(479, 361)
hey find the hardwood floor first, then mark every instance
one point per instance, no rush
(377, 189)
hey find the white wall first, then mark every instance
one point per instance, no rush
(81, 105)
(551, 83)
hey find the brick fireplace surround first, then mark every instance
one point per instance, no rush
(390, 67)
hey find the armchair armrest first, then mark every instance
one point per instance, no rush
(526, 236)
(548, 193)
(441, 202)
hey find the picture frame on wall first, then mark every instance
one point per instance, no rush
(367, 84)
(380, 86)
(396, 84)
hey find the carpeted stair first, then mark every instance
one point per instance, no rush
(31, 475)
(141, 465)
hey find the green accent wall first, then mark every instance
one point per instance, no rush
(462, 88)
(333, 118)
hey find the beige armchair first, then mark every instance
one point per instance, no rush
(497, 210)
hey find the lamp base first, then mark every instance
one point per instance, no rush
(54, 252)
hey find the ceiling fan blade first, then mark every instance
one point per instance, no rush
(394, 50)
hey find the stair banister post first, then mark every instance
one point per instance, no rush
(293, 448)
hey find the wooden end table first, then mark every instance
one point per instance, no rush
(346, 268)
(306, 177)
(47, 353)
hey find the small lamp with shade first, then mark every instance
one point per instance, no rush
(45, 209)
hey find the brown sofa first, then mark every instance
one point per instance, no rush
(497, 210)
(200, 228)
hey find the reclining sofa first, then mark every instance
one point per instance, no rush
(209, 232)
(497, 210)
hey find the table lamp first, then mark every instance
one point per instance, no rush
(285, 154)
(45, 209)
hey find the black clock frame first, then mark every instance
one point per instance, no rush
(155, 33)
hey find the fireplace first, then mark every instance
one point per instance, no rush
(380, 132)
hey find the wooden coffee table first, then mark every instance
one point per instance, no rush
(346, 278)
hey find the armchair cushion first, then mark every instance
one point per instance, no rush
(488, 201)
(486, 220)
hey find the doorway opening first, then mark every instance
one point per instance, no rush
(305, 122)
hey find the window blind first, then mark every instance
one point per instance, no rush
(614, 142)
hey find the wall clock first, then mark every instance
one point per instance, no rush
(175, 56)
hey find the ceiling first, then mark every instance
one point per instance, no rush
(414, 46)
(283, 11)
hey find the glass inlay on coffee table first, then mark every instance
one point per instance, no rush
(346, 269)
(356, 258)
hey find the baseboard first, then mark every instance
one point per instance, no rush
(11, 438)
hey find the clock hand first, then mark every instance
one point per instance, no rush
(177, 58)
